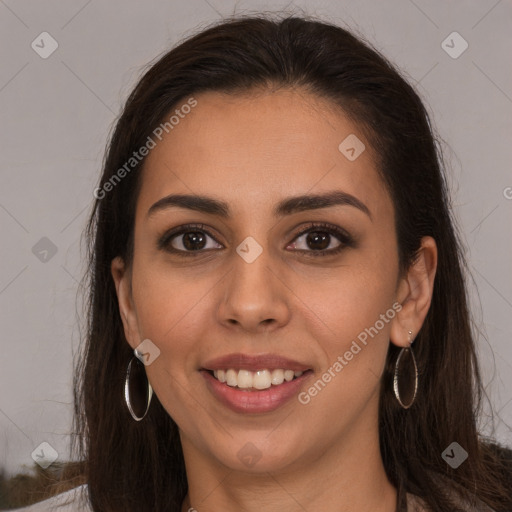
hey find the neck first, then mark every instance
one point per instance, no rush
(349, 476)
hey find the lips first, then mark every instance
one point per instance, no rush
(256, 396)
(254, 363)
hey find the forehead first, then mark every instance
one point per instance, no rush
(257, 147)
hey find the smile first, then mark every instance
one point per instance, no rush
(251, 399)
(261, 379)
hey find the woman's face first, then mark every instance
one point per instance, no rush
(252, 287)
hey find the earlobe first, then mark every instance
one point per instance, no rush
(415, 294)
(122, 281)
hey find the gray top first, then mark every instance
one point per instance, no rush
(74, 500)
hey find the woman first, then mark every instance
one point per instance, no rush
(278, 314)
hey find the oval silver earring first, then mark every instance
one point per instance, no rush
(406, 371)
(136, 400)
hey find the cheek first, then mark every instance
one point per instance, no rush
(354, 349)
(168, 311)
(356, 339)
(352, 296)
(164, 298)
(351, 319)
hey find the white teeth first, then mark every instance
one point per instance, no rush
(244, 379)
(231, 378)
(288, 375)
(277, 377)
(261, 379)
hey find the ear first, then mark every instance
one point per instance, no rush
(414, 293)
(122, 280)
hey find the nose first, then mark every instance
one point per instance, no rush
(254, 298)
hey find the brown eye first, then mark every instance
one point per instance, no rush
(192, 240)
(317, 240)
(188, 239)
(322, 240)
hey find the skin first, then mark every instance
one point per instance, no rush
(252, 151)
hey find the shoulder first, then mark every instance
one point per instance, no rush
(74, 500)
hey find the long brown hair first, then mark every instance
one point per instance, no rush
(139, 466)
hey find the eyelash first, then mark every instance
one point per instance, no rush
(344, 238)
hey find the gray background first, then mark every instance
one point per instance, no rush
(56, 114)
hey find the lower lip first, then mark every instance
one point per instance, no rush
(265, 400)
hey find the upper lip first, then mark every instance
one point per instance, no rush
(254, 363)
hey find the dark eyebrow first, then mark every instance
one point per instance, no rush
(288, 206)
(315, 202)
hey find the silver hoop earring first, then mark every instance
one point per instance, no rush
(136, 379)
(403, 372)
